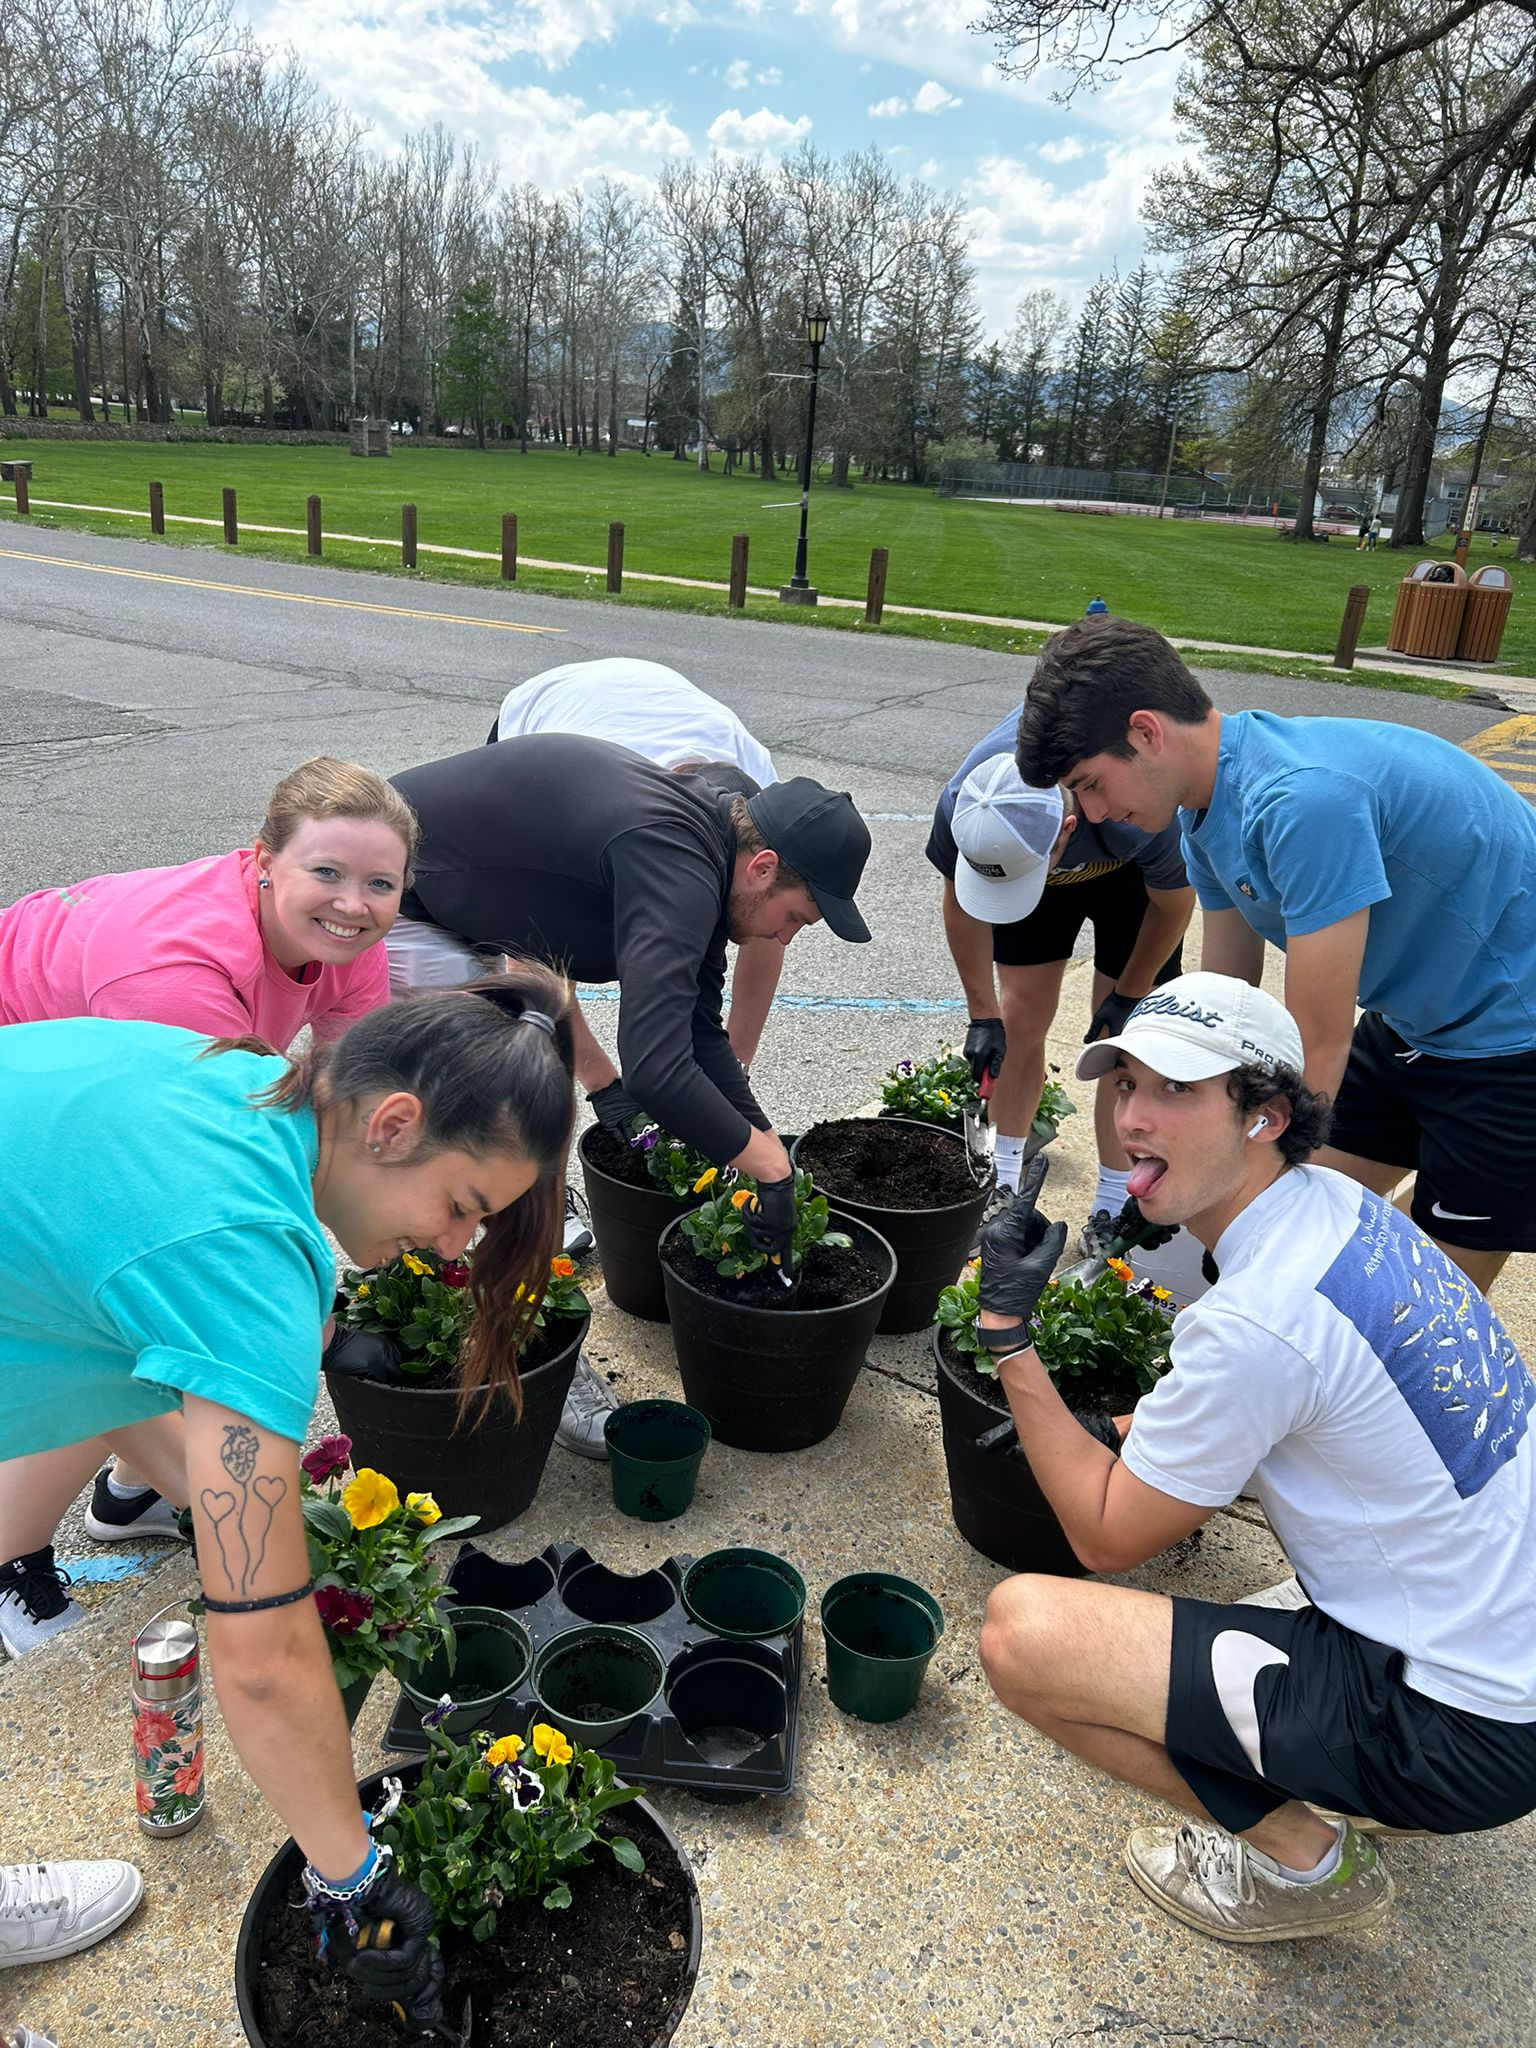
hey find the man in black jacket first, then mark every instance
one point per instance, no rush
(582, 854)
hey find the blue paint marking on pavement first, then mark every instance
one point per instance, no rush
(103, 1570)
(907, 1006)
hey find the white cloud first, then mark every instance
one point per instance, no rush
(772, 75)
(738, 76)
(887, 110)
(1065, 151)
(734, 130)
(928, 169)
(932, 98)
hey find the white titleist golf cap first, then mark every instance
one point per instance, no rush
(1198, 1025)
(1005, 831)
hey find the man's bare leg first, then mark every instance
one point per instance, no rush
(1088, 1665)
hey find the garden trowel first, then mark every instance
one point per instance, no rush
(426, 2015)
(1132, 1233)
(980, 1137)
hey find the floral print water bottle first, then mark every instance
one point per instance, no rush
(167, 1725)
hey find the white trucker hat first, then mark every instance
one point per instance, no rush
(1198, 1025)
(1004, 831)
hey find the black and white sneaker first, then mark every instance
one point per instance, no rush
(34, 1601)
(578, 1232)
(111, 1519)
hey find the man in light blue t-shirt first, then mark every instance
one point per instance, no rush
(1394, 870)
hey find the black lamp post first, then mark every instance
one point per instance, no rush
(798, 589)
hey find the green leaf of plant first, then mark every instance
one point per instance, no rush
(625, 1852)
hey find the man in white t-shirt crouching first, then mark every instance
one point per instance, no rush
(1345, 1373)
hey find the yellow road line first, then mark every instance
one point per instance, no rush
(344, 604)
(1508, 734)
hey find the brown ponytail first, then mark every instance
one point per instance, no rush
(487, 1080)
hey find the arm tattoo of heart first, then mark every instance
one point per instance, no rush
(242, 1519)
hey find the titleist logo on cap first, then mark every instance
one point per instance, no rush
(1158, 1005)
(989, 868)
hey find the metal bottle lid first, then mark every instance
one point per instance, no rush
(165, 1657)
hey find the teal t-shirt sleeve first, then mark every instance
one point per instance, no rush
(1319, 836)
(1209, 893)
(232, 1315)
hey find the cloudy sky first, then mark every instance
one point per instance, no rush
(567, 90)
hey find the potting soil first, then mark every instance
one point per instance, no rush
(1101, 1393)
(890, 1165)
(828, 1279)
(620, 1160)
(602, 1972)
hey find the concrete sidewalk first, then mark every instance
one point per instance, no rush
(950, 1878)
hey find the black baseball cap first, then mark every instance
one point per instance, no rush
(822, 837)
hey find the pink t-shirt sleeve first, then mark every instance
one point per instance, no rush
(358, 989)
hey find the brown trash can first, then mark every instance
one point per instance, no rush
(1427, 616)
(1490, 591)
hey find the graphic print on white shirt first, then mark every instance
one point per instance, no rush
(1446, 1351)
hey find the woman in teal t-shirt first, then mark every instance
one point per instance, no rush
(170, 1194)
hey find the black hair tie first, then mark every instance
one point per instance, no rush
(538, 1018)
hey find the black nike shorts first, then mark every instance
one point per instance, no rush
(1268, 1704)
(1464, 1125)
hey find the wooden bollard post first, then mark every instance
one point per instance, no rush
(157, 508)
(313, 540)
(231, 522)
(509, 547)
(738, 597)
(408, 536)
(22, 473)
(874, 601)
(616, 555)
(1349, 628)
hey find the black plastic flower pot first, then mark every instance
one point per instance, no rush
(775, 1379)
(627, 1223)
(930, 1245)
(994, 1497)
(273, 1890)
(489, 1465)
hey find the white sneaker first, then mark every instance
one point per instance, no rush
(48, 1910)
(34, 1604)
(23, 2037)
(587, 1407)
(1287, 1594)
(1216, 1884)
(578, 1232)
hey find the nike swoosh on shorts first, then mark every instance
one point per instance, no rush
(1455, 1215)
(1237, 1661)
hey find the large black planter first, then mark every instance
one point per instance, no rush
(489, 1465)
(627, 1222)
(994, 1497)
(273, 1886)
(775, 1379)
(931, 1245)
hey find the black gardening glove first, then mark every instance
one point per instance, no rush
(1019, 1251)
(615, 1108)
(390, 1956)
(985, 1044)
(1111, 1017)
(1136, 1233)
(770, 1219)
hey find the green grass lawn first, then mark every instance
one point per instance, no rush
(1207, 582)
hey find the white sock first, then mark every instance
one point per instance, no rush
(1111, 1192)
(1009, 1160)
(1328, 1865)
(125, 1492)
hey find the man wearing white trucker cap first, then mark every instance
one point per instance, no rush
(1344, 1372)
(1023, 871)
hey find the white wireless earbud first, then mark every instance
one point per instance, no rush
(1261, 1125)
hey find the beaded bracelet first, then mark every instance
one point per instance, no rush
(256, 1606)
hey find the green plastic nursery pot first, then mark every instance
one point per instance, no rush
(880, 1632)
(744, 1594)
(492, 1653)
(655, 1449)
(592, 1681)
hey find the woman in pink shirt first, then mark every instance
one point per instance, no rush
(250, 944)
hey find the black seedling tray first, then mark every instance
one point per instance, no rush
(715, 1755)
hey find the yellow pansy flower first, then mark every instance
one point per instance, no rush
(1161, 1294)
(507, 1751)
(550, 1744)
(424, 1508)
(741, 1198)
(706, 1179)
(363, 1290)
(370, 1499)
(414, 1265)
